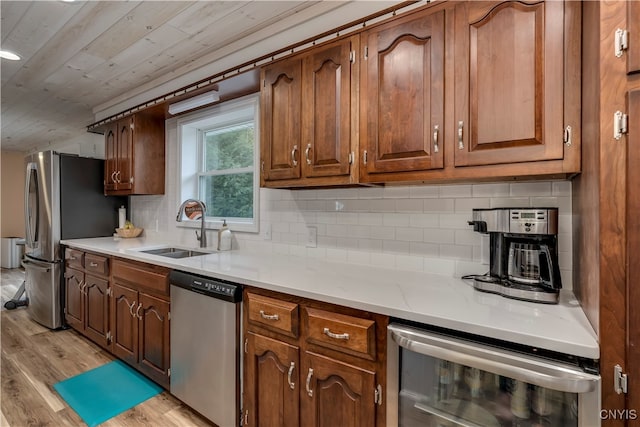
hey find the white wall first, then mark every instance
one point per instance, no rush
(421, 228)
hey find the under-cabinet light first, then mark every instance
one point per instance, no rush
(195, 102)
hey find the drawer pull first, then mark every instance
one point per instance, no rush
(93, 264)
(133, 304)
(330, 334)
(309, 375)
(269, 316)
(292, 385)
(72, 258)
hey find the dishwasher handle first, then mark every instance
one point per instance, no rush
(533, 370)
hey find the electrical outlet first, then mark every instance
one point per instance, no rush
(312, 237)
(267, 232)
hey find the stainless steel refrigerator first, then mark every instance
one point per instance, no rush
(64, 199)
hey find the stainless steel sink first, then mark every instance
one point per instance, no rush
(174, 252)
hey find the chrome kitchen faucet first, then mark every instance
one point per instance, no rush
(202, 238)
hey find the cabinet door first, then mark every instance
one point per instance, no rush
(633, 23)
(125, 154)
(97, 309)
(111, 157)
(153, 315)
(508, 82)
(402, 95)
(124, 303)
(271, 382)
(281, 106)
(327, 109)
(335, 393)
(74, 298)
(633, 249)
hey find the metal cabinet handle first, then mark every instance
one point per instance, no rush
(435, 139)
(269, 316)
(118, 177)
(81, 286)
(138, 312)
(93, 264)
(84, 289)
(113, 176)
(306, 154)
(292, 385)
(460, 135)
(330, 334)
(293, 155)
(309, 375)
(131, 309)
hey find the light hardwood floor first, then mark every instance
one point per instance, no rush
(34, 358)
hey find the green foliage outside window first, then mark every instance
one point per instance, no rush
(227, 181)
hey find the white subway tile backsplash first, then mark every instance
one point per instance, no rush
(439, 205)
(409, 234)
(424, 249)
(456, 252)
(395, 219)
(424, 220)
(409, 205)
(396, 192)
(455, 191)
(467, 205)
(417, 228)
(439, 235)
(424, 192)
(490, 190)
(347, 218)
(382, 205)
(530, 189)
(383, 233)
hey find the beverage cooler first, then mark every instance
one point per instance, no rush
(444, 380)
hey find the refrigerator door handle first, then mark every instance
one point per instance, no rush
(533, 370)
(34, 265)
(31, 234)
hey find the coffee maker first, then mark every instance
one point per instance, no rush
(523, 253)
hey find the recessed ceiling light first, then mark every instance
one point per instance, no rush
(9, 55)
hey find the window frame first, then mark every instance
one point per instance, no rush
(191, 129)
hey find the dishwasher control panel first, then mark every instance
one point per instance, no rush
(216, 288)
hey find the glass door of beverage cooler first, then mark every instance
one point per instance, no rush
(446, 381)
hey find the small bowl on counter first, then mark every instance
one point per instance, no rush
(129, 232)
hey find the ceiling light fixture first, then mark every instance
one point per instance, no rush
(195, 102)
(9, 55)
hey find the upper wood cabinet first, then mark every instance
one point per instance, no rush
(329, 108)
(135, 155)
(308, 106)
(453, 91)
(508, 82)
(633, 24)
(281, 109)
(402, 95)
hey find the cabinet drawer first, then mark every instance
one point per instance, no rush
(74, 258)
(96, 264)
(142, 275)
(276, 315)
(340, 332)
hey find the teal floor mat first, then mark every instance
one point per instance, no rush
(106, 391)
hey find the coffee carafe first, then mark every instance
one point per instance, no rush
(523, 253)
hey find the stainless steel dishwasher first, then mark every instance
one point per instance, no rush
(205, 346)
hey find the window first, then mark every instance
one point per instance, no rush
(219, 153)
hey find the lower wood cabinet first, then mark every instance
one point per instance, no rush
(87, 304)
(140, 329)
(125, 309)
(293, 379)
(271, 386)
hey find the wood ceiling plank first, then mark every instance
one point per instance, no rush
(137, 24)
(202, 15)
(11, 13)
(90, 21)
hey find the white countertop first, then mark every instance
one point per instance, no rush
(431, 299)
